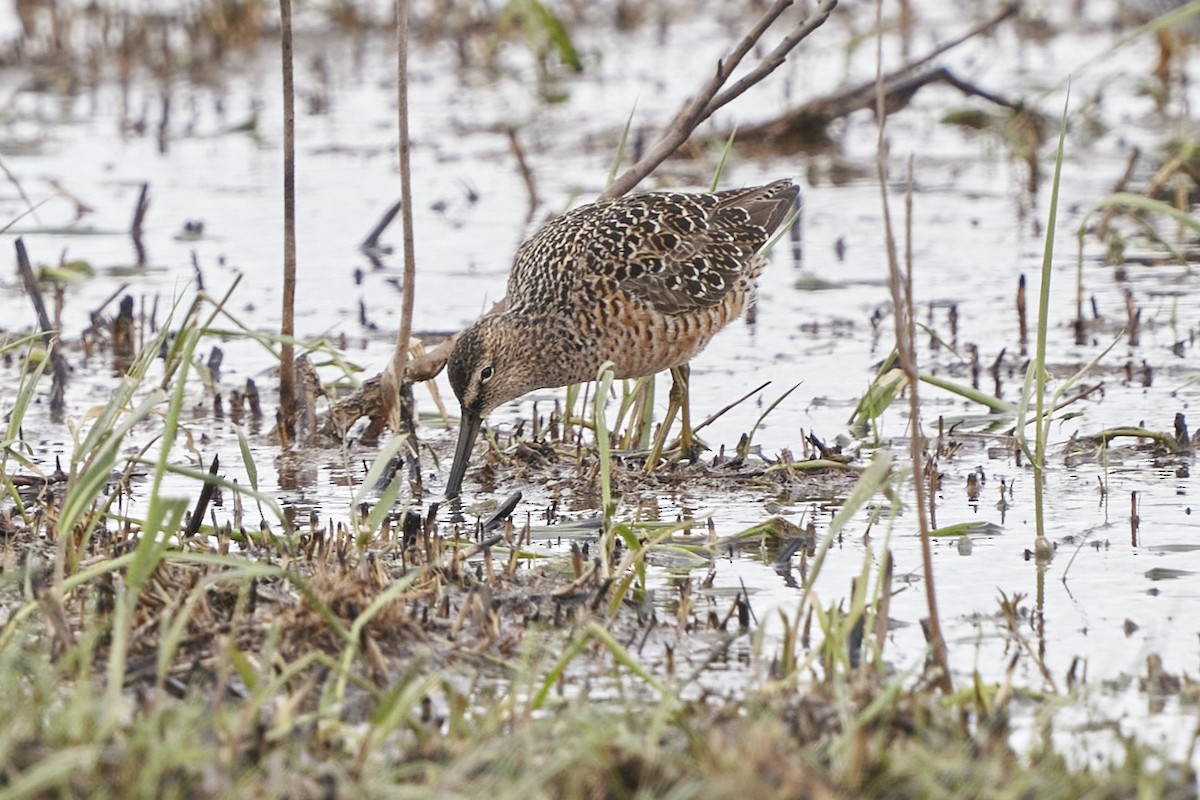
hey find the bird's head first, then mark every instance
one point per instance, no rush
(492, 362)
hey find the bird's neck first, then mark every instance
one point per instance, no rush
(557, 355)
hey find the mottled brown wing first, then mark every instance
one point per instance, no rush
(678, 252)
(692, 260)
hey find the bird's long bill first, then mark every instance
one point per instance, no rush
(468, 429)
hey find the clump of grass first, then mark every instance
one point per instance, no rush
(345, 659)
(298, 694)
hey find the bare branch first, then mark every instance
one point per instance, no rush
(727, 65)
(804, 125)
(710, 97)
(855, 94)
(776, 57)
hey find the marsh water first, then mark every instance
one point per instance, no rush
(1122, 585)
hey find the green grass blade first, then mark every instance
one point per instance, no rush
(621, 147)
(725, 153)
(1038, 364)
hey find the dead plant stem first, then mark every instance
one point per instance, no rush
(394, 376)
(526, 173)
(287, 369)
(25, 269)
(902, 303)
(29, 205)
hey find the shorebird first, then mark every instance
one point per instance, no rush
(643, 281)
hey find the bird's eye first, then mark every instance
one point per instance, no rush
(486, 373)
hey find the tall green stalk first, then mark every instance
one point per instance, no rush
(603, 383)
(1038, 365)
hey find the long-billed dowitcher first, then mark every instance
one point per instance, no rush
(642, 281)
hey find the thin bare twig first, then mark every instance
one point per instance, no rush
(775, 58)
(719, 413)
(526, 173)
(32, 209)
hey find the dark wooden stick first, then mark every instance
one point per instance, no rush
(372, 240)
(59, 368)
(139, 216)
(206, 493)
(139, 211)
(31, 286)
(808, 120)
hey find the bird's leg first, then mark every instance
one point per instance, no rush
(660, 436)
(679, 393)
(689, 444)
(677, 403)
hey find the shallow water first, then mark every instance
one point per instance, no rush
(975, 230)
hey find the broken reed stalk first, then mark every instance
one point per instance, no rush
(288, 411)
(1133, 317)
(206, 494)
(372, 241)
(1134, 519)
(25, 268)
(139, 217)
(394, 375)
(902, 305)
(1022, 324)
(58, 362)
